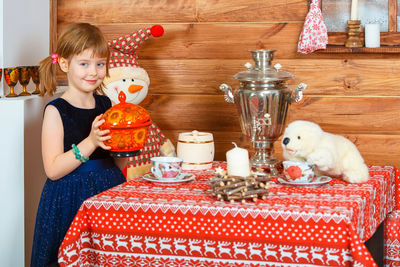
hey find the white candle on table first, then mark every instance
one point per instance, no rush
(238, 162)
(354, 10)
(372, 35)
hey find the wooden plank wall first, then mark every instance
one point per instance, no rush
(206, 42)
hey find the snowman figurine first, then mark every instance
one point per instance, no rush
(126, 75)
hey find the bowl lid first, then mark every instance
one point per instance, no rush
(125, 115)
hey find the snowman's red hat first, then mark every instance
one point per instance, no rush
(123, 58)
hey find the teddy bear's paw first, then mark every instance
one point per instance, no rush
(321, 162)
(355, 176)
(323, 168)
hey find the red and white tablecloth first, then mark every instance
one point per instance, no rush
(143, 224)
(392, 232)
(392, 239)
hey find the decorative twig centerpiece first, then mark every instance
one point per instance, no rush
(237, 188)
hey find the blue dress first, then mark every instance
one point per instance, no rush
(61, 199)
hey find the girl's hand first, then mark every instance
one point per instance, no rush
(97, 136)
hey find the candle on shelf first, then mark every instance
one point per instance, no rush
(238, 162)
(372, 35)
(354, 10)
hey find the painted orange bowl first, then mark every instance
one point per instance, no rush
(128, 124)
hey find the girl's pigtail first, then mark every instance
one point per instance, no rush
(48, 76)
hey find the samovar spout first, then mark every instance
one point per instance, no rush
(228, 93)
(298, 92)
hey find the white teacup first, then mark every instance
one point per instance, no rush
(166, 167)
(299, 172)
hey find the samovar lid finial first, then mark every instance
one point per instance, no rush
(262, 58)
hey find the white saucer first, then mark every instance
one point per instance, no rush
(320, 180)
(180, 179)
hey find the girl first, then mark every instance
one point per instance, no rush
(71, 135)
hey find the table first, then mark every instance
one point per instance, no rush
(143, 224)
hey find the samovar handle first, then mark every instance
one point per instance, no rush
(298, 92)
(228, 93)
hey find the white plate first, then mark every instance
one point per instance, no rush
(320, 180)
(180, 179)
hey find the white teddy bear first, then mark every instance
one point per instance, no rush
(332, 154)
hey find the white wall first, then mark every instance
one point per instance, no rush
(26, 31)
(1, 46)
(22, 176)
(24, 40)
(12, 184)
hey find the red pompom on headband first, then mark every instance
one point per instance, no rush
(157, 30)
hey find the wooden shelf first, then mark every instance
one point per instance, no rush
(390, 44)
(390, 40)
(337, 49)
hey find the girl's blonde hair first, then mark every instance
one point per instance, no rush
(75, 39)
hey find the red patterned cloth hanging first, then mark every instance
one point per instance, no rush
(315, 34)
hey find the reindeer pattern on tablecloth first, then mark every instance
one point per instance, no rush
(85, 238)
(122, 241)
(301, 252)
(254, 250)
(70, 251)
(245, 251)
(164, 244)
(239, 249)
(134, 242)
(209, 247)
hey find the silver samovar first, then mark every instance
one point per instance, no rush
(263, 99)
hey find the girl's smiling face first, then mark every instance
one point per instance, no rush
(85, 71)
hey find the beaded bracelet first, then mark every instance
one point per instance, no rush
(78, 154)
